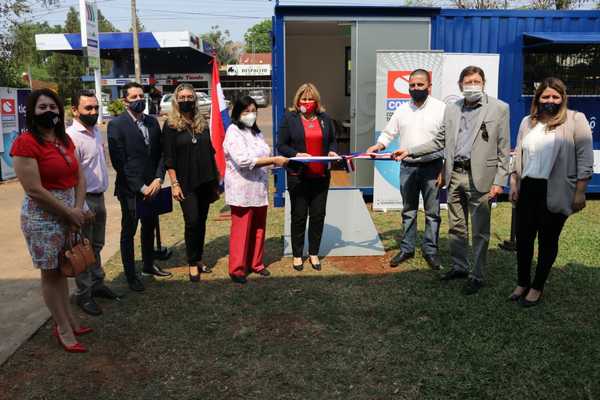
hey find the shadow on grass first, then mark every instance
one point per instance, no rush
(320, 335)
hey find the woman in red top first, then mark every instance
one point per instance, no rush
(306, 130)
(46, 166)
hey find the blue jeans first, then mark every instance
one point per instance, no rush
(415, 179)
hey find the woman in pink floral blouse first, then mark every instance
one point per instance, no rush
(247, 156)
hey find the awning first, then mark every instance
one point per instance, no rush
(535, 39)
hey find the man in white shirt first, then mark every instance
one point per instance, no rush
(89, 147)
(416, 122)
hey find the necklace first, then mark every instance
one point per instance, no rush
(194, 138)
(310, 121)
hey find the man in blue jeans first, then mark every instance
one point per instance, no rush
(416, 122)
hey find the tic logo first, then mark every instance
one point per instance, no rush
(397, 89)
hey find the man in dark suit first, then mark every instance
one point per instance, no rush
(135, 151)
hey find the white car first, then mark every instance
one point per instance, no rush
(203, 103)
(259, 97)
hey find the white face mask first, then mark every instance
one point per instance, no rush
(248, 119)
(472, 93)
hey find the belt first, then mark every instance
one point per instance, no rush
(421, 163)
(463, 164)
(95, 194)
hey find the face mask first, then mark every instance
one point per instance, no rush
(473, 93)
(248, 119)
(307, 107)
(187, 106)
(48, 119)
(418, 95)
(88, 119)
(137, 106)
(549, 108)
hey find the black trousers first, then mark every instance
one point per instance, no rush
(308, 199)
(534, 218)
(195, 210)
(129, 223)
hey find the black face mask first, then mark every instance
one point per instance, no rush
(88, 119)
(548, 108)
(186, 106)
(418, 95)
(48, 119)
(137, 106)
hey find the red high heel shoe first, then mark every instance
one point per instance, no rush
(74, 348)
(83, 330)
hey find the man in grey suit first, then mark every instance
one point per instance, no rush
(476, 142)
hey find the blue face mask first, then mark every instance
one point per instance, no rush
(137, 106)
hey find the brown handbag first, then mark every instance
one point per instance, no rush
(77, 255)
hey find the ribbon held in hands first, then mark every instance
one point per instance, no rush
(346, 159)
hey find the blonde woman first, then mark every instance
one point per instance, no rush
(553, 164)
(306, 130)
(190, 162)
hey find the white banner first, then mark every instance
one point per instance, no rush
(248, 69)
(393, 69)
(9, 129)
(89, 31)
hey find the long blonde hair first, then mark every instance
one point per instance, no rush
(561, 115)
(176, 119)
(308, 88)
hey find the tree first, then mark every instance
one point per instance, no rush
(227, 50)
(140, 26)
(258, 37)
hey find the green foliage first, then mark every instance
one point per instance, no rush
(258, 37)
(116, 107)
(227, 50)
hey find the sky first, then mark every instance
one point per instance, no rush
(196, 16)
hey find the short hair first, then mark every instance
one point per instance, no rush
(420, 71)
(130, 85)
(311, 89)
(561, 115)
(238, 108)
(470, 70)
(82, 93)
(59, 129)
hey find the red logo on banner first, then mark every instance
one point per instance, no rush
(397, 85)
(7, 107)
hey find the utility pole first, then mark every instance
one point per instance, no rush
(136, 44)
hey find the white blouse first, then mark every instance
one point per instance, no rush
(245, 184)
(538, 150)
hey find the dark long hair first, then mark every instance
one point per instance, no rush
(238, 108)
(59, 129)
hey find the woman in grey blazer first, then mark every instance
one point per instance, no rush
(552, 166)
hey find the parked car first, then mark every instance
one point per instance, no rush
(259, 97)
(203, 103)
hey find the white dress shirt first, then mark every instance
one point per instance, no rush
(415, 126)
(538, 150)
(89, 147)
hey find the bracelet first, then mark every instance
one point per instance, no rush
(174, 184)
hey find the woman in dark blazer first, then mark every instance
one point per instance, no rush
(306, 130)
(552, 166)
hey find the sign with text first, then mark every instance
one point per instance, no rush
(89, 32)
(248, 69)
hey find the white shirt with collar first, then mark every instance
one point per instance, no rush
(89, 147)
(415, 125)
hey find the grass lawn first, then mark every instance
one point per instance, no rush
(356, 330)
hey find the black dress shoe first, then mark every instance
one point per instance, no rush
(194, 278)
(517, 297)
(523, 302)
(454, 274)
(400, 258)
(299, 267)
(205, 269)
(156, 271)
(136, 285)
(317, 266)
(472, 286)
(89, 306)
(264, 272)
(433, 261)
(105, 292)
(238, 279)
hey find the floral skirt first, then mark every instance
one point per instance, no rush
(45, 232)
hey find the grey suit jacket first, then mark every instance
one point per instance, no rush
(489, 156)
(572, 160)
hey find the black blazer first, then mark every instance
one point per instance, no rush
(136, 164)
(290, 140)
